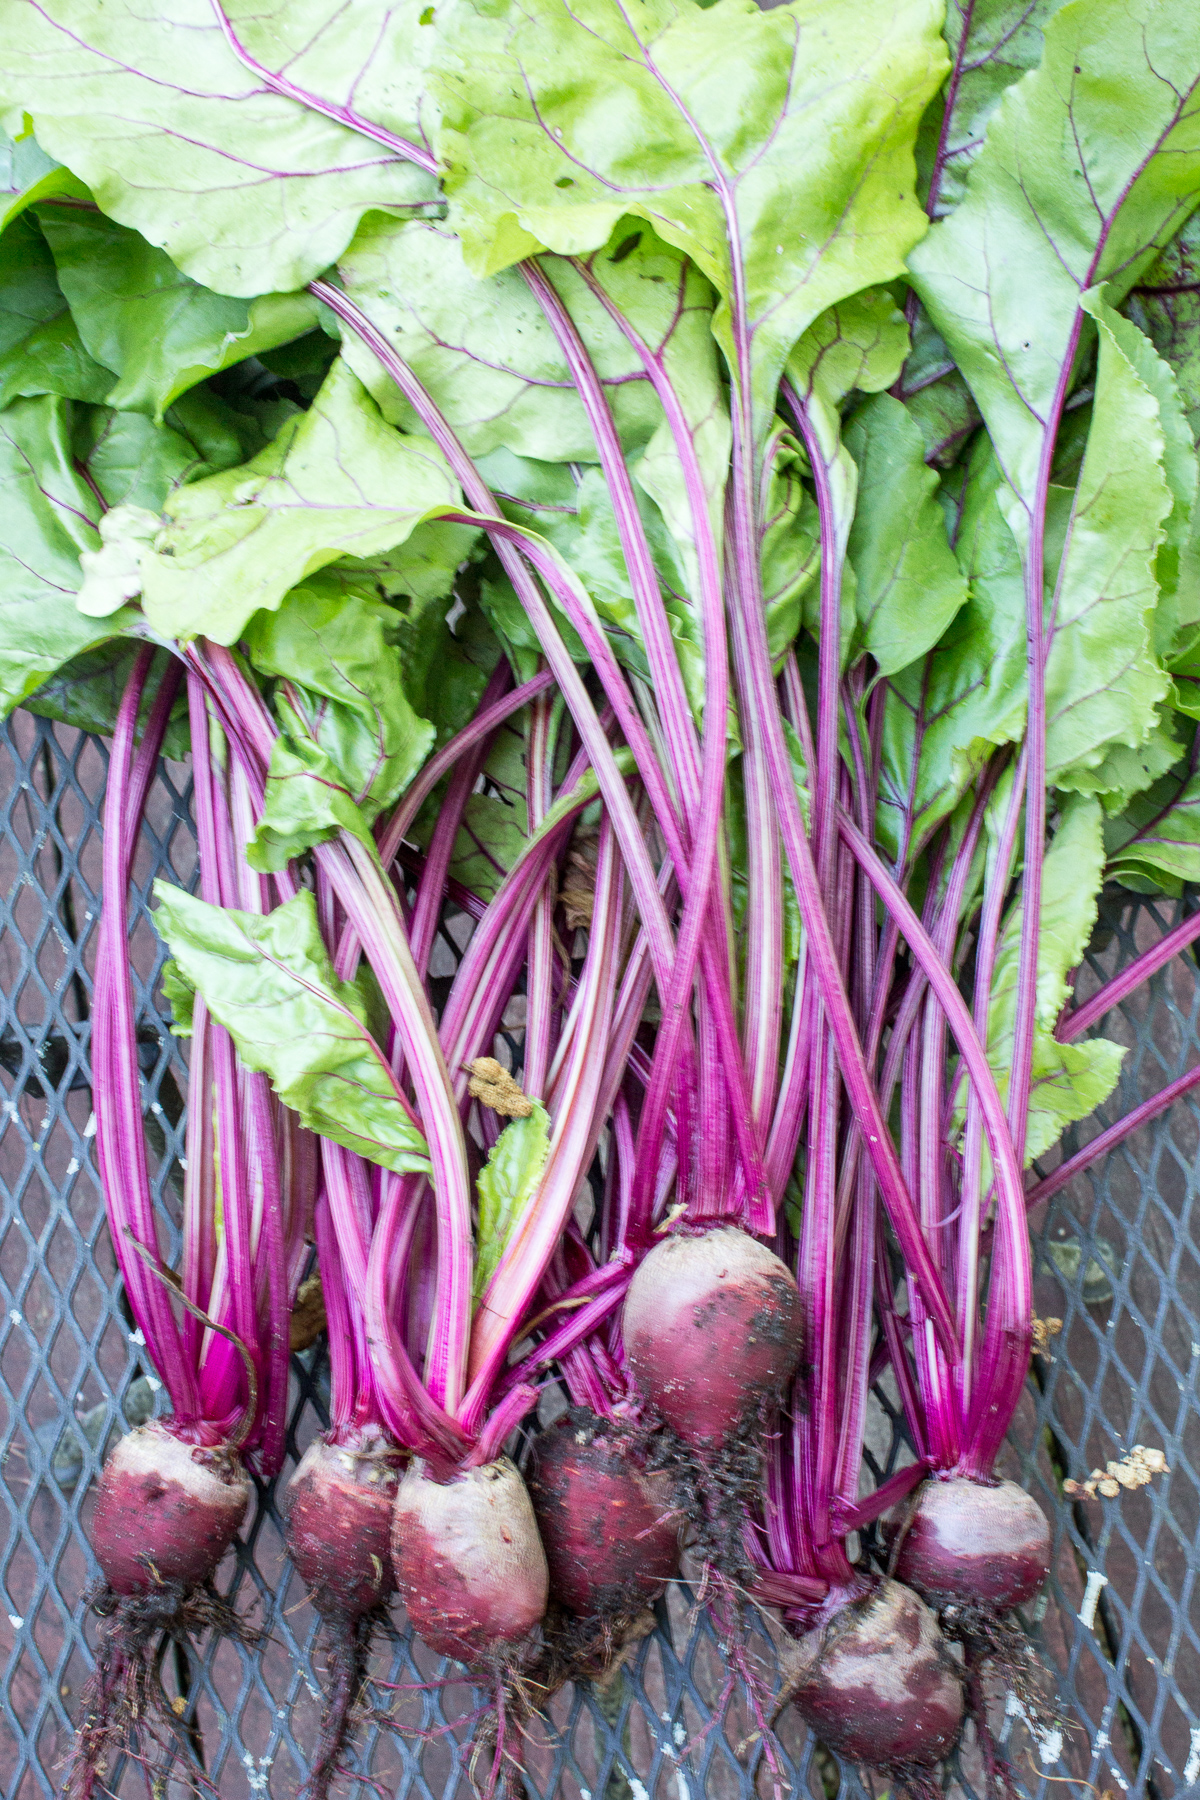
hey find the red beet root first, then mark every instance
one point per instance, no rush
(166, 1511)
(340, 1521)
(712, 1332)
(609, 1529)
(877, 1683)
(469, 1562)
(339, 1537)
(969, 1545)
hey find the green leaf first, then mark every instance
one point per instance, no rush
(1126, 772)
(908, 583)
(345, 715)
(780, 142)
(1103, 684)
(859, 344)
(130, 461)
(86, 692)
(48, 515)
(27, 174)
(507, 1183)
(138, 315)
(945, 715)
(337, 481)
(1069, 1080)
(268, 980)
(1165, 303)
(1157, 838)
(484, 350)
(333, 51)
(41, 351)
(993, 43)
(180, 996)
(1059, 201)
(790, 544)
(248, 191)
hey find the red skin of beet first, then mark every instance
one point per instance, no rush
(876, 1682)
(967, 1544)
(468, 1560)
(340, 1523)
(712, 1328)
(607, 1523)
(165, 1506)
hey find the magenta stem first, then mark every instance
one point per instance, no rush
(1122, 985)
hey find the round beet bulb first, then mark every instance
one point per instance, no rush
(339, 1537)
(166, 1511)
(340, 1522)
(877, 1683)
(712, 1331)
(966, 1544)
(468, 1560)
(607, 1523)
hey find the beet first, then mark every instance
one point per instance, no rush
(877, 1684)
(713, 1332)
(339, 1538)
(468, 1560)
(166, 1511)
(963, 1543)
(608, 1524)
(340, 1521)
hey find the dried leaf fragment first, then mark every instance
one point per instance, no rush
(1133, 1471)
(308, 1313)
(577, 895)
(1043, 1331)
(492, 1085)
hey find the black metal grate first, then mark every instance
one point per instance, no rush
(1118, 1260)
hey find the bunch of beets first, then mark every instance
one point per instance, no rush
(668, 538)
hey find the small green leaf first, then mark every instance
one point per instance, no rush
(1103, 683)
(909, 586)
(1069, 1080)
(47, 516)
(337, 481)
(180, 996)
(507, 1184)
(1157, 839)
(269, 981)
(27, 174)
(138, 315)
(346, 718)
(41, 351)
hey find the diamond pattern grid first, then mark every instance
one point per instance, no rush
(1117, 1259)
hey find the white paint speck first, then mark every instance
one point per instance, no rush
(14, 1316)
(73, 1166)
(1050, 1745)
(153, 1383)
(89, 1129)
(679, 1734)
(15, 1622)
(636, 1789)
(1191, 1769)
(1096, 1583)
(136, 1337)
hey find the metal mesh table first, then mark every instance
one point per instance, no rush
(1117, 1259)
